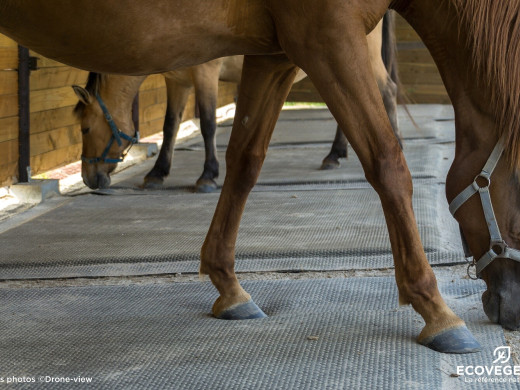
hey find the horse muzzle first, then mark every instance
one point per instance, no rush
(99, 180)
(502, 308)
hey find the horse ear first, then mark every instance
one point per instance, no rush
(82, 94)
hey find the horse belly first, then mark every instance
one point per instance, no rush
(131, 37)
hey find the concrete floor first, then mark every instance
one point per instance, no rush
(106, 287)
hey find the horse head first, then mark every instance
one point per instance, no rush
(105, 111)
(488, 211)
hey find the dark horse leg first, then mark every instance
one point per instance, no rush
(383, 58)
(177, 97)
(205, 80)
(266, 81)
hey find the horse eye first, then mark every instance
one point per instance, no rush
(85, 131)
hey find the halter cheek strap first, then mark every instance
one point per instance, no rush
(497, 247)
(116, 136)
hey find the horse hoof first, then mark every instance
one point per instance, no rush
(242, 311)
(205, 187)
(152, 184)
(327, 165)
(455, 340)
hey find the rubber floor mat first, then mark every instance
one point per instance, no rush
(300, 166)
(320, 334)
(148, 234)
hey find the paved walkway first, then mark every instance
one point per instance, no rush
(104, 286)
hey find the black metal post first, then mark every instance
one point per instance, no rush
(24, 151)
(135, 112)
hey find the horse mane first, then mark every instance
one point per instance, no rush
(94, 82)
(494, 36)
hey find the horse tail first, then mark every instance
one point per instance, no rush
(389, 46)
(389, 56)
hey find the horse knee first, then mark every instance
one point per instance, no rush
(390, 177)
(244, 166)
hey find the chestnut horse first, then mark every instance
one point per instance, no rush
(114, 90)
(475, 43)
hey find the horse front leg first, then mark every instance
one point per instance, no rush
(266, 81)
(205, 79)
(333, 51)
(177, 97)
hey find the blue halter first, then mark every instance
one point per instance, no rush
(116, 136)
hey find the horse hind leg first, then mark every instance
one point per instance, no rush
(339, 69)
(205, 79)
(381, 38)
(338, 150)
(177, 97)
(265, 86)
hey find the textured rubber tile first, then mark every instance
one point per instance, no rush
(299, 166)
(320, 334)
(319, 126)
(147, 234)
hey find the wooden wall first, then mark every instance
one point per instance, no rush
(8, 109)
(55, 138)
(420, 79)
(55, 135)
(419, 76)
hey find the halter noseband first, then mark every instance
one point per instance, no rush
(498, 249)
(116, 136)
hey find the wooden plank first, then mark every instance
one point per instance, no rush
(152, 97)
(50, 99)
(415, 78)
(8, 58)
(406, 35)
(52, 119)
(57, 77)
(8, 105)
(420, 56)
(8, 82)
(9, 151)
(152, 82)
(55, 159)
(42, 143)
(426, 94)
(8, 174)
(304, 91)
(226, 93)
(7, 42)
(153, 112)
(152, 127)
(8, 129)
(44, 62)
